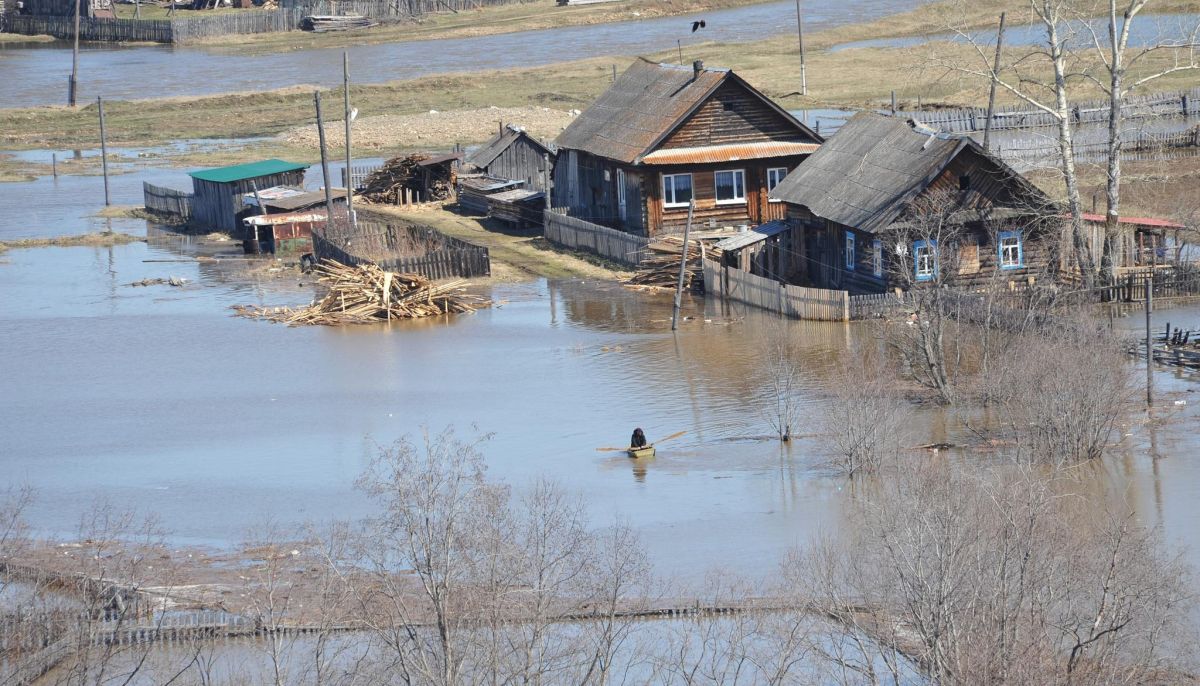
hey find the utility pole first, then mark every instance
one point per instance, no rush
(103, 151)
(73, 84)
(987, 126)
(349, 177)
(687, 229)
(324, 163)
(679, 47)
(1149, 342)
(800, 31)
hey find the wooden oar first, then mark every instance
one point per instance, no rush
(662, 440)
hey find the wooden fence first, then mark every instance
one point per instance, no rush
(402, 248)
(358, 175)
(167, 201)
(1043, 151)
(158, 30)
(796, 302)
(395, 9)
(578, 234)
(875, 305)
(1012, 117)
(1132, 287)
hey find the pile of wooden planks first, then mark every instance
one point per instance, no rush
(321, 23)
(387, 185)
(660, 266)
(366, 294)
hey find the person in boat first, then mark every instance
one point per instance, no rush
(638, 440)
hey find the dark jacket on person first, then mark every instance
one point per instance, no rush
(638, 440)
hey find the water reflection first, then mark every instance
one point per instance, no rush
(156, 397)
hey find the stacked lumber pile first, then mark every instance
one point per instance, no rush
(319, 23)
(387, 185)
(367, 294)
(660, 266)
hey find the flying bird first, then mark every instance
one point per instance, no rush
(697, 25)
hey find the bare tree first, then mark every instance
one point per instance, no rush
(865, 417)
(782, 380)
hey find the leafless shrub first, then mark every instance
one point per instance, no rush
(1060, 399)
(865, 417)
(1005, 577)
(782, 378)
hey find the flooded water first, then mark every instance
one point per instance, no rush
(1146, 30)
(157, 398)
(104, 69)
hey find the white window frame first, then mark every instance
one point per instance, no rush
(621, 194)
(877, 257)
(929, 247)
(1019, 246)
(739, 176)
(851, 256)
(780, 172)
(670, 203)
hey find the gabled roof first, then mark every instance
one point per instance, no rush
(250, 170)
(865, 175)
(645, 104)
(489, 151)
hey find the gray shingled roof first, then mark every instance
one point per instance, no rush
(643, 106)
(488, 152)
(867, 173)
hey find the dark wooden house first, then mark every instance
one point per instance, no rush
(663, 135)
(218, 203)
(868, 208)
(513, 154)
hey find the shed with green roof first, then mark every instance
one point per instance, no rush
(218, 192)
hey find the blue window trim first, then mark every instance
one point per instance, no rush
(1020, 249)
(917, 245)
(850, 250)
(877, 258)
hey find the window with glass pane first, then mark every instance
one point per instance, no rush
(677, 190)
(731, 186)
(774, 176)
(925, 259)
(850, 251)
(877, 258)
(1010, 250)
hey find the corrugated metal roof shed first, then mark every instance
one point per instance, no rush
(250, 170)
(755, 235)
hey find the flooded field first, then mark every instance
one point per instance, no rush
(104, 69)
(158, 398)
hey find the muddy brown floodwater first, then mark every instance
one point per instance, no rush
(157, 398)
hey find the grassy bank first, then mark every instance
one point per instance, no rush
(100, 240)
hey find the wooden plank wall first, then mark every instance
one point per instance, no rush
(391, 248)
(733, 115)
(796, 302)
(578, 234)
(521, 161)
(158, 30)
(167, 200)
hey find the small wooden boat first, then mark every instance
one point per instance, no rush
(644, 451)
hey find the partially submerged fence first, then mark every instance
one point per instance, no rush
(167, 201)
(1012, 117)
(402, 248)
(796, 302)
(577, 234)
(158, 30)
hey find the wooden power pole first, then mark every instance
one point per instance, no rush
(991, 112)
(800, 31)
(349, 177)
(103, 151)
(687, 229)
(73, 84)
(324, 163)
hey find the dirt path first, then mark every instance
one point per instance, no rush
(515, 256)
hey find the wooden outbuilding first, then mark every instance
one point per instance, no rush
(218, 193)
(665, 134)
(868, 210)
(513, 154)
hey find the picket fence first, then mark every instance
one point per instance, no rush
(577, 234)
(797, 302)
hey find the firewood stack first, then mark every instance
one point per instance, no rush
(367, 294)
(387, 184)
(660, 266)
